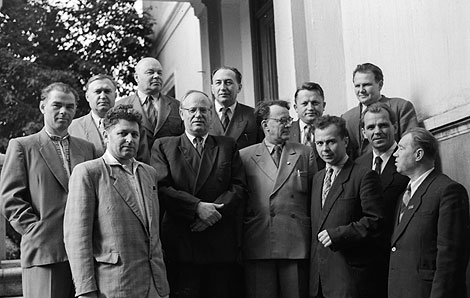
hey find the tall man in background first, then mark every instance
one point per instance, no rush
(233, 119)
(368, 81)
(101, 96)
(202, 186)
(309, 104)
(160, 116)
(33, 193)
(276, 229)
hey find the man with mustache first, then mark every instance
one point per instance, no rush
(160, 116)
(309, 103)
(368, 81)
(101, 96)
(33, 193)
(233, 119)
(111, 222)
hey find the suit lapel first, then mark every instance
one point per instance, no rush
(295, 132)
(145, 184)
(413, 206)
(93, 133)
(237, 124)
(216, 128)
(49, 153)
(135, 101)
(335, 192)
(287, 164)
(163, 112)
(186, 149)
(263, 160)
(207, 162)
(388, 173)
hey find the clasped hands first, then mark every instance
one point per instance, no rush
(207, 214)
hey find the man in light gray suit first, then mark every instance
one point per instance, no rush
(111, 219)
(33, 192)
(276, 227)
(160, 113)
(101, 96)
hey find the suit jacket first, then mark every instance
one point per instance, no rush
(182, 185)
(85, 128)
(406, 119)
(33, 191)
(430, 245)
(113, 248)
(242, 126)
(169, 122)
(277, 209)
(353, 217)
(295, 137)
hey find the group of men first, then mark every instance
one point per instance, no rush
(212, 198)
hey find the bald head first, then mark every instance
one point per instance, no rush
(148, 75)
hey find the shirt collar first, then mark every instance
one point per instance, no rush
(96, 118)
(142, 97)
(302, 125)
(218, 106)
(109, 159)
(191, 138)
(384, 156)
(337, 168)
(56, 137)
(271, 146)
(416, 183)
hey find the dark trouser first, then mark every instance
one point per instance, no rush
(276, 278)
(48, 281)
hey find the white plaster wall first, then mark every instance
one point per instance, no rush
(178, 45)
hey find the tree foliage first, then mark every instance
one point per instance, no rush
(43, 41)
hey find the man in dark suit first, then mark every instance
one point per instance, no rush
(233, 119)
(111, 222)
(276, 229)
(309, 103)
(347, 220)
(33, 192)
(368, 81)
(202, 186)
(101, 96)
(160, 113)
(430, 244)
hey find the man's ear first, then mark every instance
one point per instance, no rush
(346, 141)
(363, 132)
(239, 87)
(381, 84)
(42, 105)
(264, 125)
(419, 154)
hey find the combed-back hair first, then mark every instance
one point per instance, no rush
(262, 109)
(425, 140)
(327, 120)
(238, 74)
(100, 77)
(58, 86)
(124, 112)
(377, 108)
(369, 67)
(310, 86)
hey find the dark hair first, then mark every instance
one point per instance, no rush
(310, 86)
(377, 108)
(238, 75)
(263, 110)
(58, 86)
(425, 140)
(124, 112)
(369, 67)
(324, 121)
(100, 77)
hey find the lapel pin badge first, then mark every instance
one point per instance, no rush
(411, 207)
(288, 162)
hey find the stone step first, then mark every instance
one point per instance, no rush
(10, 279)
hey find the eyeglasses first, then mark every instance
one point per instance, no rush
(192, 111)
(283, 121)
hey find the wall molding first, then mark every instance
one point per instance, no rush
(450, 124)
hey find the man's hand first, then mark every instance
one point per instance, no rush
(198, 226)
(324, 238)
(208, 213)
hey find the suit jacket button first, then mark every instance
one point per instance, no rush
(394, 249)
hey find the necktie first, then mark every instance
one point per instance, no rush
(151, 111)
(277, 154)
(308, 140)
(225, 117)
(63, 150)
(378, 164)
(326, 185)
(101, 130)
(199, 145)
(405, 200)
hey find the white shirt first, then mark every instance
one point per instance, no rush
(219, 107)
(384, 156)
(143, 97)
(96, 119)
(191, 138)
(416, 183)
(302, 126)
(337, 168)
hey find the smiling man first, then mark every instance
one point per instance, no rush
(33, 192)
(160, 116)
(368, 81)
(347, 220)
(202, 186)
(101, 96)
(112, 233)
(233, 119)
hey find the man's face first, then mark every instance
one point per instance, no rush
(196, 113)
(330, 145)
(379, 130)
(101, 95)
(366, 88)
(309, 105)
(225, 87)
(123, 140)
(148, 75)
(277, 126)
(406, 155)
(58, 109)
